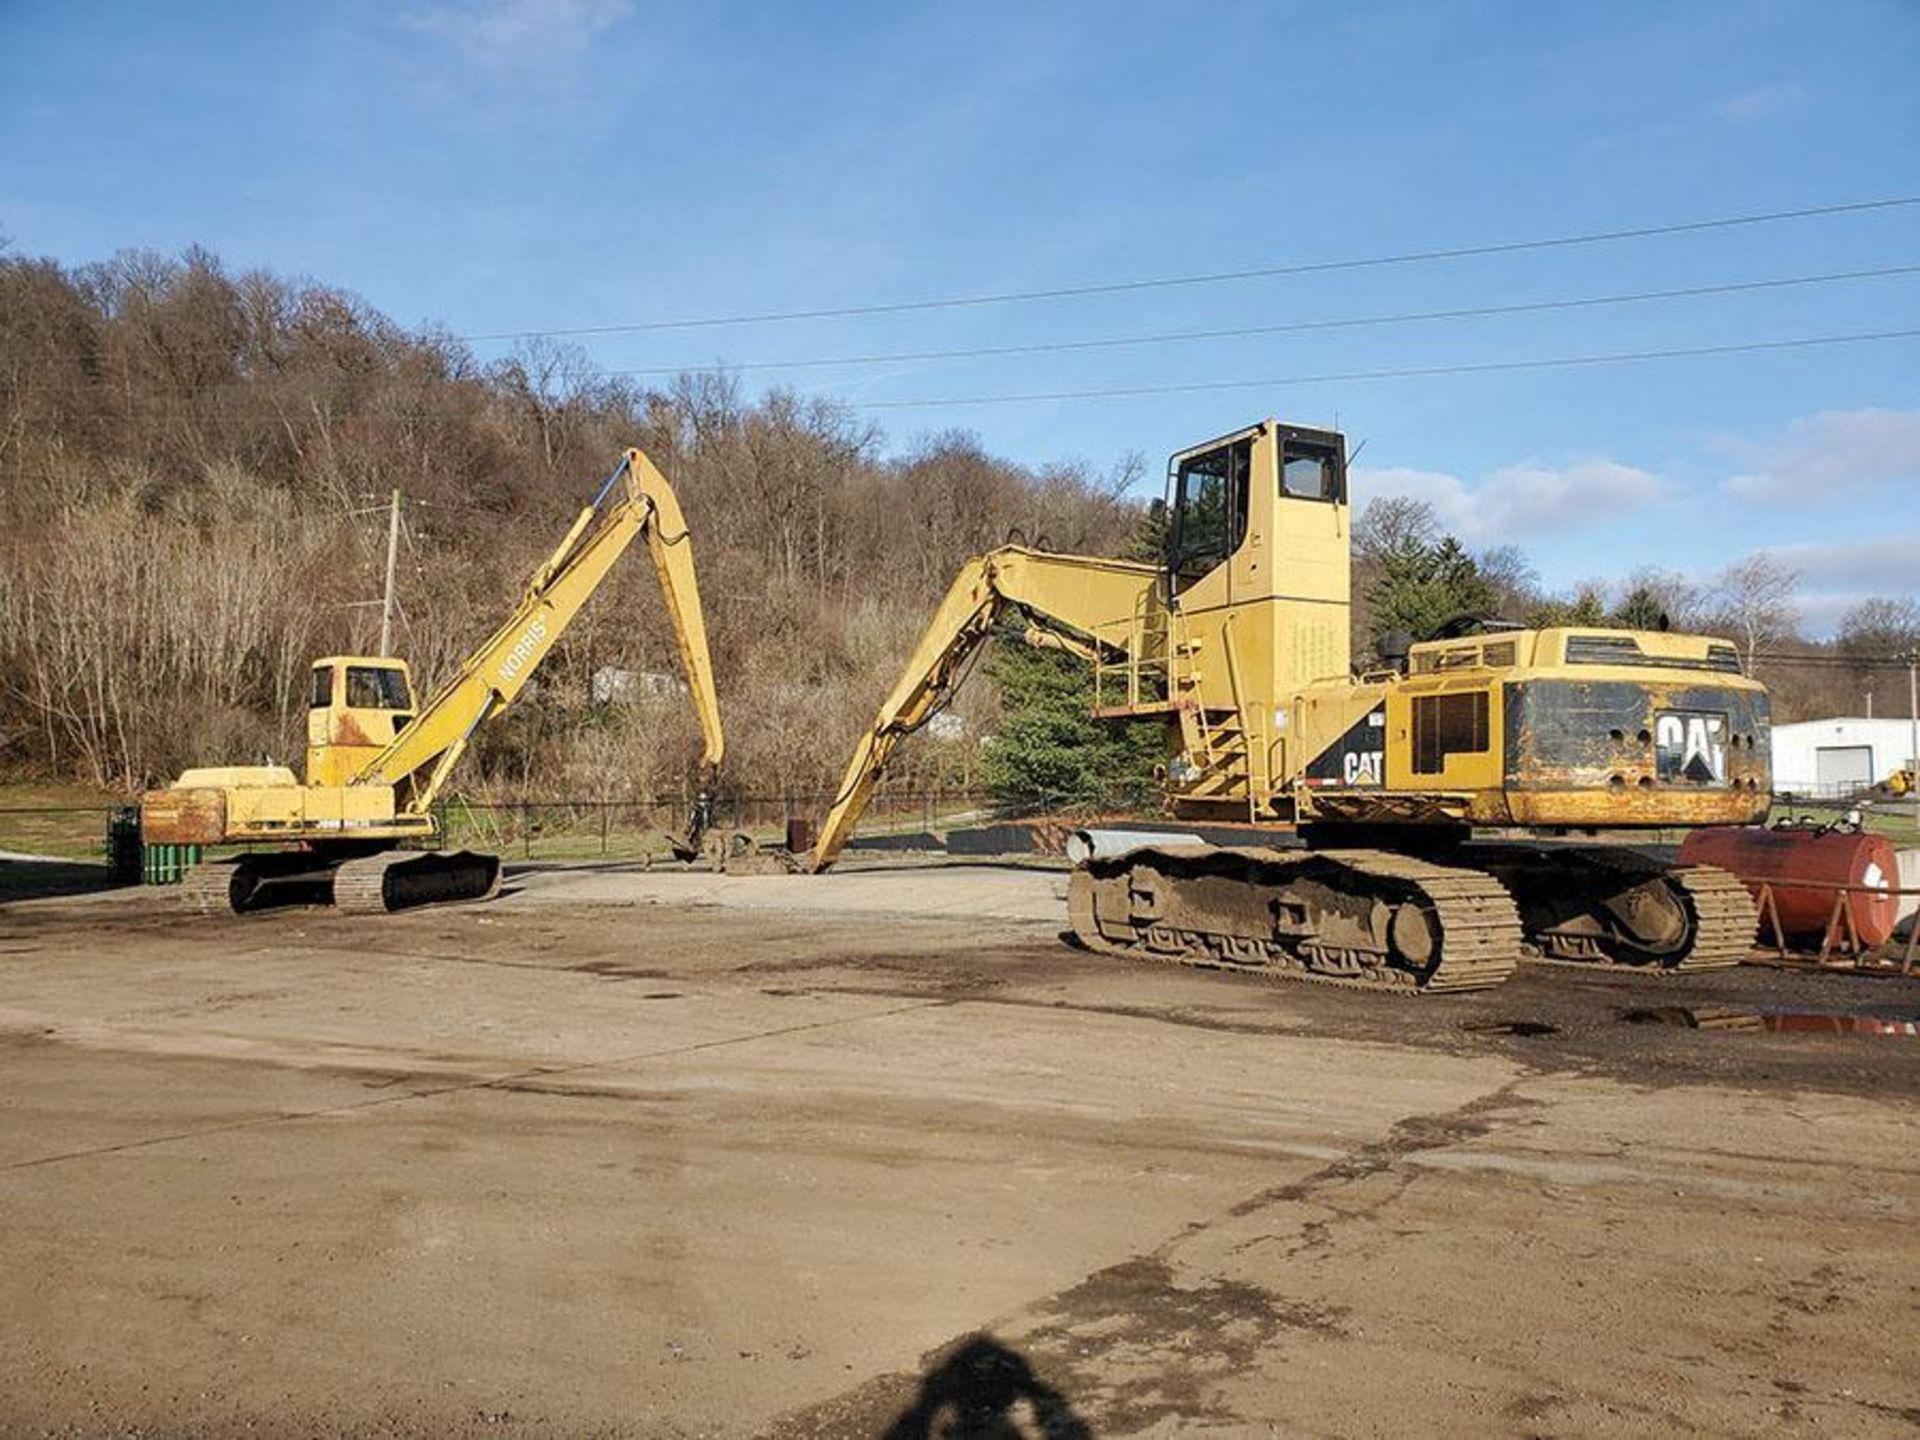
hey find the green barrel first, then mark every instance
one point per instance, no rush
(168, 864)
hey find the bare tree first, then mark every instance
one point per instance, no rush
(183, 453)
(1880, 627)
(1877, 630)
(1394, 522)
(1516, 584)
(1753, 599)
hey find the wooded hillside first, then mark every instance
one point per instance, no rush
(194, 468)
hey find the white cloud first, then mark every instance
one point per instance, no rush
(1761, 101)
(519, 34)
(1821, 611)
(1820, 455)
(1522, 500)
(1837, 575)
(1446, 493)
(1884, 565)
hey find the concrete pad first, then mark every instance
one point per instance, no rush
(959, 891)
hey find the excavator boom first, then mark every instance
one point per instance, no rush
(489, 679)
(1069, 593)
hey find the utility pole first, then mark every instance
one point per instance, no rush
(393, 554)
(1912, 658)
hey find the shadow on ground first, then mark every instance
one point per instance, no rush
(983, 1389)
(44, 879)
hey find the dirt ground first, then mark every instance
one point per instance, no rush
(875, 1153)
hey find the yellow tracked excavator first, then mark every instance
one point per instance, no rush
(375, 764)
(1434, 794)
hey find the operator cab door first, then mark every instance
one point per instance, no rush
(1210, 493)
(358, 704)
(1257, 567)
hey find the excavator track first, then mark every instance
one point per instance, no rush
(1362, 919)
(406, 880)
(207, 888)
(364, 885)
(260, 880)
(1725, 917)
(1610, 908)
(1725, 921)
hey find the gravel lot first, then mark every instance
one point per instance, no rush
(630, 1153)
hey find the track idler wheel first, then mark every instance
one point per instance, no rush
(1412, 937)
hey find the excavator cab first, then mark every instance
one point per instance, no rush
(1231, 498)
(357, 704)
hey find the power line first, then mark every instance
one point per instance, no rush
(1282, 328)
(1220, 277)
(1288, 327)
(1409, 372)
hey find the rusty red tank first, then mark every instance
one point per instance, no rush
(1806, 869)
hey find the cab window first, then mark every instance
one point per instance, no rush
(1210, 511)
(322, 688)
(372, 688)
(1310, 471)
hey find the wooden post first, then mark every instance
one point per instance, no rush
(393, 555)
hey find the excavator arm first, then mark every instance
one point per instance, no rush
(636, 500)
(1072, 601)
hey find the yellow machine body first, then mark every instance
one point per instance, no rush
(235, 804)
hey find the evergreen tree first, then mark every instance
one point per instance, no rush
(1050, 750)
(1586, 608)
(1420, 585)
(1151, 535)
(1641, 610)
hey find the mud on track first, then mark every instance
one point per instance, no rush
(570, 1165)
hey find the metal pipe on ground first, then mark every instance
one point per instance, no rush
(1085, 845)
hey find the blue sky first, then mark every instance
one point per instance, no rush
(532, 164)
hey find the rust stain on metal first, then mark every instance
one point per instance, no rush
(183, 817)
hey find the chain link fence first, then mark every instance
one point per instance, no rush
(581, 828)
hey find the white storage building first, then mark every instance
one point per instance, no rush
(1832, 759)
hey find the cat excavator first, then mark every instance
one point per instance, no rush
(1428, 800)
(375, 765)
